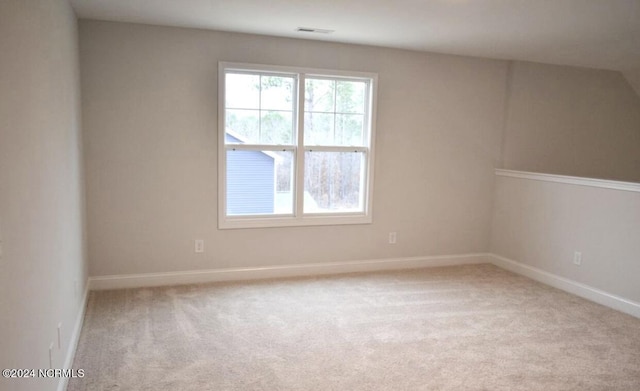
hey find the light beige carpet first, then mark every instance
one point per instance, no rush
(457, 328)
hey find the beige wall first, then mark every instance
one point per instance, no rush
(444, 123)
(541, 224)
(572, 121)
(149, 106)
(633, 77)
(41, 196)
(578, 122)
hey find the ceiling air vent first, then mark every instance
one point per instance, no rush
(312, 30)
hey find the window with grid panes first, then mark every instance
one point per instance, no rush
(295, 146)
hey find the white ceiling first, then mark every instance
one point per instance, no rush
(591, 33)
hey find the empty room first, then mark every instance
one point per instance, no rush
(298, 195)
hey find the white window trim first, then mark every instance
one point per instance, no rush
(298, 218)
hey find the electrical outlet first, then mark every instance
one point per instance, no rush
(577, 258)
(393, 237)
(199, 246)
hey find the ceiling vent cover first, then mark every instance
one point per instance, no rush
(314, 30)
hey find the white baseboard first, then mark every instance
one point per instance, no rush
(601, 297)
(75, 338)
(253, 273)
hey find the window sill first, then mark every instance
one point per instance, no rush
(287, 221)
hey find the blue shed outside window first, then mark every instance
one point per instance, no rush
(250, 181)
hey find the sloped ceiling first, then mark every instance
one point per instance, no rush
(592, 33)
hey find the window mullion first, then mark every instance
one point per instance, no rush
(299, 182)
(260, 108)
(335, 107)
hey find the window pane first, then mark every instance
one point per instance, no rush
(242, 91)
(259, 182)
(242, 126)
(349, 130)
(276, 127)
(277, 93)
(350, 96)
(319, 95)
(318, 129)
(333, 182)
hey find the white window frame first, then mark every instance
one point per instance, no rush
(297, 218)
